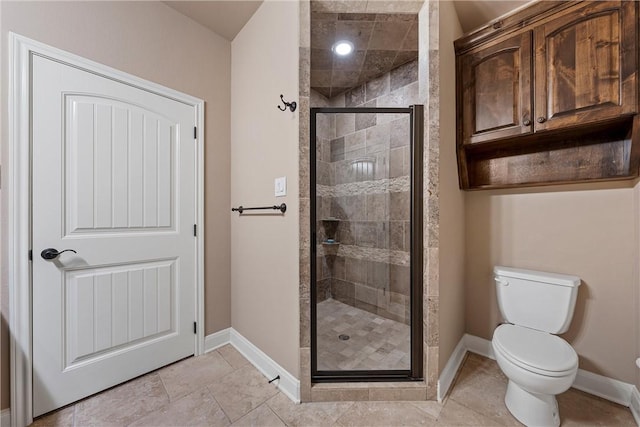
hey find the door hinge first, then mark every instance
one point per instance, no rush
(30, 255)
(195, 132)
(195, 328)
(195, 230)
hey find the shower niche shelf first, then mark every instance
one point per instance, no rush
(330, 226)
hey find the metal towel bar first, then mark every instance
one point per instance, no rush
(282, 208)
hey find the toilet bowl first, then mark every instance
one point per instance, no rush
(537, 363)
(539, 366)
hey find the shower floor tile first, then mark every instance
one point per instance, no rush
(374, 342)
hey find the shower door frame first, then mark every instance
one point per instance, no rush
(416, 138)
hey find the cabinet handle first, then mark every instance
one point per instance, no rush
(541, 119)
(526, 122)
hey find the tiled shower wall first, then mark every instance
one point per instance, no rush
(428, 77)
(363, 184)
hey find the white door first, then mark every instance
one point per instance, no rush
(113, 179)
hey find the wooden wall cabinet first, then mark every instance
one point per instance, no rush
(496, 90)
(554, 84)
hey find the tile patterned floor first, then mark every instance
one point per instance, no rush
(374, 342)
(221, 388)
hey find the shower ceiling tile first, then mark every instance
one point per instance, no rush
(389, 35)
(382, 42)
(321, 59)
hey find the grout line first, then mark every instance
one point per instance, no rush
(218, 403)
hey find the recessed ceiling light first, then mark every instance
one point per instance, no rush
(342, 47)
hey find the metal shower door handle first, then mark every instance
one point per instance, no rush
(52, 253)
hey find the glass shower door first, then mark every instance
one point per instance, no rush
(366, 216)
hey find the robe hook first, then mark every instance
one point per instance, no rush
(291, 105)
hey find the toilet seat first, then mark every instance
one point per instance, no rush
(539, 352)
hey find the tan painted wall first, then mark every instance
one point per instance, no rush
(636, 298)
(152, 41)
(452, 237)
(585, 230)
(264, 146)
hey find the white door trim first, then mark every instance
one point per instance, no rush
(17, 198)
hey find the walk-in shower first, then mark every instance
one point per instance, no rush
(366, 228)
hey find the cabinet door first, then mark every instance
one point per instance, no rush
(586, 65)
(495, 97)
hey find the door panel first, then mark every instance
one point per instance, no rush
(496, 90)
(108, 310)
(127, 184)
(586, 65)
(113, 179)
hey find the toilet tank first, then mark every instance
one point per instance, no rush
(536, 300)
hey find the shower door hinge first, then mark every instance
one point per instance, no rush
(195, 132)
(195, 328)
(195, 230)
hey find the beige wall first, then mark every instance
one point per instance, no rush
(636, 298)
(264, 145)
(452, 235)
(152, 41)
(586, 230)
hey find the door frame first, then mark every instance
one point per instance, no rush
(416, 135)
(17, 199)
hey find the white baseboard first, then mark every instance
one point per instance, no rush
(451, 369)
(5, 417)
(607, 388)
(217, 340)
(288, 384)
(479, 346)
(635, 404)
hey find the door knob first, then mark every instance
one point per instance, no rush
(526, 122)
(51, 253)
(541, 119)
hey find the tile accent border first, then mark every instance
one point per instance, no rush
(598, 385)
(5, 417)
(288, 383)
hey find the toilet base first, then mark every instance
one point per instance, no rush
(532, 409)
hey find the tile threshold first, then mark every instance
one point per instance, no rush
(373, 384)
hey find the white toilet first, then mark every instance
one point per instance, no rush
(537, 363)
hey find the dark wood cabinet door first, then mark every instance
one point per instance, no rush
(494, 95)
(586, 65)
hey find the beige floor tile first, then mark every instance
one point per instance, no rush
(582, 409)
(232, 356)
(243, 395)
(196, 409)
(454, 414)
(431, 407)
(483, 365)
(481, 386)
(192, 374)
(242, 391)
(123, 404)
(61, 418)
(307, 414)
(385, 414)
(261, 416)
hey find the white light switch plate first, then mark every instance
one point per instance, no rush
(281, 186)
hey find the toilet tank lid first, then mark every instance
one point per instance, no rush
(537, 276)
